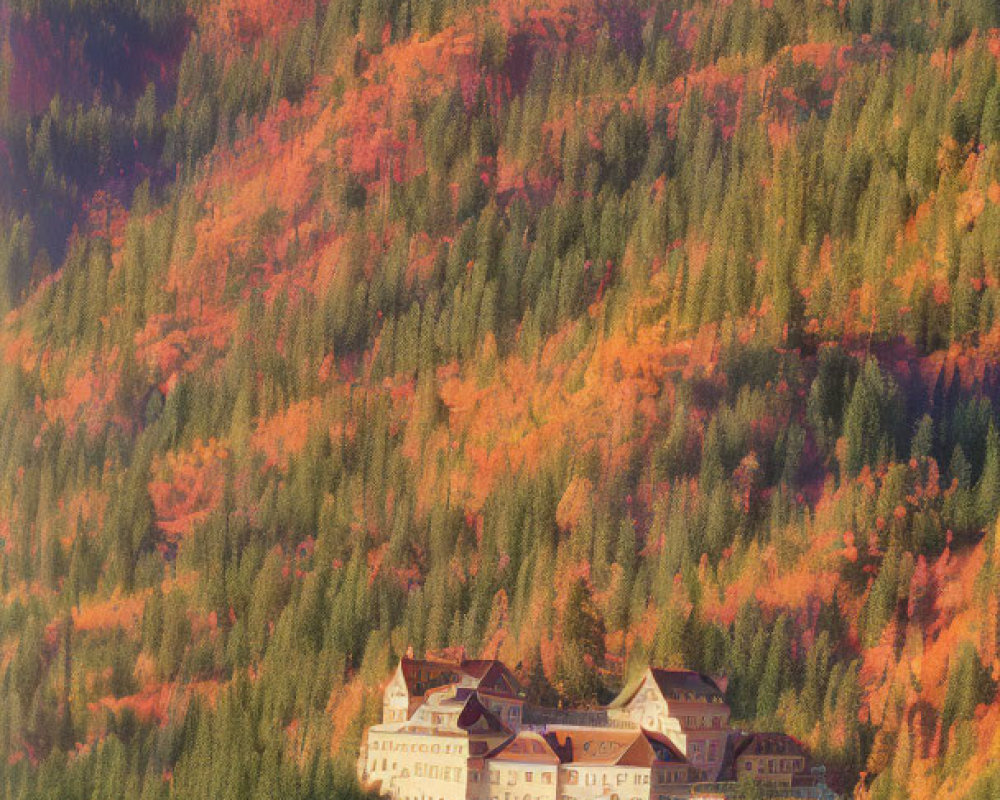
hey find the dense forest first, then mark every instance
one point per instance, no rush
(582, 333)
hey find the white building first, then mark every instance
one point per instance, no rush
(687, 707)
(453, 731)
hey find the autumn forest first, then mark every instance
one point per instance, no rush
(585, 334)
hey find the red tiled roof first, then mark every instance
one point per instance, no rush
(609, 746)
(526, 747)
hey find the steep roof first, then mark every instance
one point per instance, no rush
(632, 748)
(477, 718)
(422, 675)
(679, 684)
(768, 744)
(674, 684)
(454, 710)
(593, 745)
(665, 749)
(492, 676)
(527, 747)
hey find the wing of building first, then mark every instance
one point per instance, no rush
(775, 759)
(687, 707)
(415, 678)
(431, 754)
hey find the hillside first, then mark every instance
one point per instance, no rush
(580, 334)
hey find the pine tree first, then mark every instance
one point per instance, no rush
(988, 486)
(871, 420)
(774, 679)
(582, 652)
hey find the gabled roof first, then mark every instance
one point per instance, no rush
(768, 744)
(477, 718)
(525, 748)
(739, 744)
(681, 684)
(593, 745)
(454, 710)
(631, 748)
(489, 676)
(422, 675)
(666, 751)
(674, 684)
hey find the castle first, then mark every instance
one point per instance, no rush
(462, 730)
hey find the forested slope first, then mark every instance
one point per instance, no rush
(581, 334)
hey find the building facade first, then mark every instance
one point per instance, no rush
(774, 759)
(415, 678)
(687, 707)
(431, 755)
(459, 730)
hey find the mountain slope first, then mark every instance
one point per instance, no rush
(584, 334)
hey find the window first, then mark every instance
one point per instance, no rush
(622, 778)
(446, 774)
(573, 777)
(527, 777)
(547, 777)
(494, 777)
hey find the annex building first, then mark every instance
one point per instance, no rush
(462, 730)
